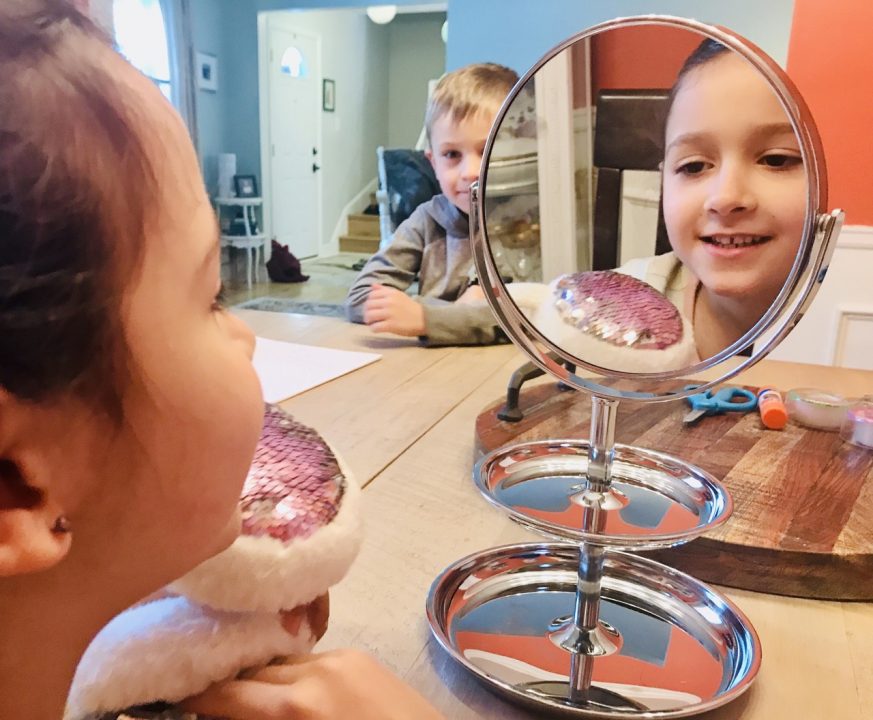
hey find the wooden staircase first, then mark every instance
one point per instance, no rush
(363, 234)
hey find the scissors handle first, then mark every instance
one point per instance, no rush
(702, 400)
(735, 399)
(729, 399)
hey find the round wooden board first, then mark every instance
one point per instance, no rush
(803, 499)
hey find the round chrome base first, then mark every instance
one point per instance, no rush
(679, 648)
(655, 500)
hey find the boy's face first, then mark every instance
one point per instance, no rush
(456, 154)
(734, 185)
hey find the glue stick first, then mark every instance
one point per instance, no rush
(772, 409)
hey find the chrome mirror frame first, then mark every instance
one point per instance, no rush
(820, 231)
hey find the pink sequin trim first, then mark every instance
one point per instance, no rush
(618, 309)
(294, 486)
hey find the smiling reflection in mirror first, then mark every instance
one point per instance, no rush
(709, 210)
(733, 194)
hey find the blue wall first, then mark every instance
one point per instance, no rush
(207, 27)
(240, 107)
(518, 32)
(513, 32)
(230, 119)
(262, 5)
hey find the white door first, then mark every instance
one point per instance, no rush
(294, 82)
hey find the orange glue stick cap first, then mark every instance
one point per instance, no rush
(773, 413)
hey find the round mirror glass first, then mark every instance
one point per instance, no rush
(649, 199)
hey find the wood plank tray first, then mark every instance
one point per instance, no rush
(803, 499)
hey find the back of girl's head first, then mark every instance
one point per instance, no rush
(76, 193)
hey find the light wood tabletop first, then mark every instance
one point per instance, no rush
(405, 428)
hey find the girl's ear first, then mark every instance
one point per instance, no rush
(429, 155)
(34, 533)
(31, 539)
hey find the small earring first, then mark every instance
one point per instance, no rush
(61, 526)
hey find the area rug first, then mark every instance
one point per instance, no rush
(343, 261)
(289, 305)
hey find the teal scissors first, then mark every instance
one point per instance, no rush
(729, 399)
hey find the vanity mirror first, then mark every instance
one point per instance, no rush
(656, 190)
(694, 167)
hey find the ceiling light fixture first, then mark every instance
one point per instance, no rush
(381, 14)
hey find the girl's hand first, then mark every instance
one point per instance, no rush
(321, 686)
(390, 310)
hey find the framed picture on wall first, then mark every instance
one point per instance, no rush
(245, 186)
(207, 71)
(328, 95)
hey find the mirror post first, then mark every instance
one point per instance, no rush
(586, 637)
(589, 642)
(586, 613)
(602, 444)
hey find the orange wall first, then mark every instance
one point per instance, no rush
(639, 57)
(830, 58)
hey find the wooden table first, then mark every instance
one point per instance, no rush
(404, 426)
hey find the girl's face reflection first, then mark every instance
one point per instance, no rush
(734, 183)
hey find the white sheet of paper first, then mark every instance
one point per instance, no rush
(288, 369)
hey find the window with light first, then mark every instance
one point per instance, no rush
(141, 36)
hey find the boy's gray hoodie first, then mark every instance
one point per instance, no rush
(433, 244)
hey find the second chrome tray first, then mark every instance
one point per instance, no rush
(656, 500)
(682, 648)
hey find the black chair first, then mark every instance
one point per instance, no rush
(628, 135)
(406, 180)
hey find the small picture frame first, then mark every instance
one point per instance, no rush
(246, 186)
(328, 95)
(207, 72)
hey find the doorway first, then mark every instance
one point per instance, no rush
(378, 75)
(290, 99)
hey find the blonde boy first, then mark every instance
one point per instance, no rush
(433, 243)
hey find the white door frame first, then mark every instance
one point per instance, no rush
(266, 130)
(557, 165)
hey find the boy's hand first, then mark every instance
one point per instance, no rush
(339, 684)
(390, 310)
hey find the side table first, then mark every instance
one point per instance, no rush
(253, 241)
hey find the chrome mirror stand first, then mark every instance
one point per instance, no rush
(596, 607)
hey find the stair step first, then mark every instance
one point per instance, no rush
(359, 243)
(360, 224)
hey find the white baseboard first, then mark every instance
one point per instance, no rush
(859, 237)
(838, 327)
(355, 205)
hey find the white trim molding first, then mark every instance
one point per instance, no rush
(844, 319)
(838, 327)
(859, 237)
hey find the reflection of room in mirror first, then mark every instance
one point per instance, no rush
(512, 209)
(666, 159)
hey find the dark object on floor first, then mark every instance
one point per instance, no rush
(283, 266)
(358, 265)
